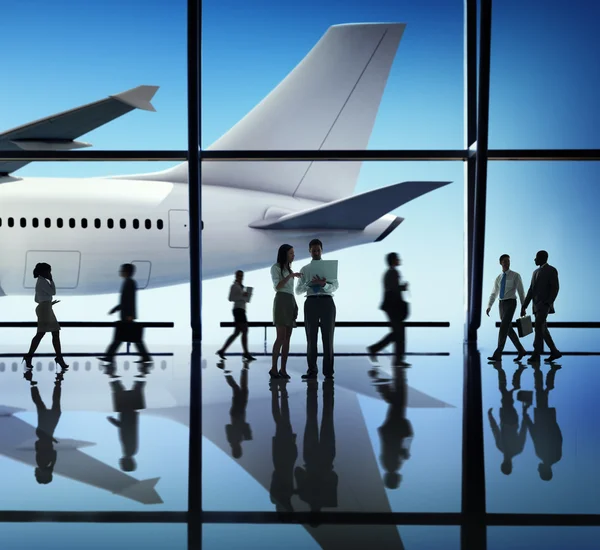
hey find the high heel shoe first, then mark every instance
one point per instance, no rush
(27, 361)
(60, 361)
(284, 375)
(274, 374)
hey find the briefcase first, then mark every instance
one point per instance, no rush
(128, 331)
(524, 326)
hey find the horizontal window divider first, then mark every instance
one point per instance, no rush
(564, 324)
(336, 155)
(91, 156)
(346, 324)
(86, 324)
(22, 516)
(544, 154)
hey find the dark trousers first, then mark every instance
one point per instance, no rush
(507, 312)
(541, 331)
(115, 344)
(319, 312)
(397, 335)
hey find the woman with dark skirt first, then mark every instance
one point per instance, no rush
(285, 309)
(46, 320)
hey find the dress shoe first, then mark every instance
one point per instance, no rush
(553, 357)
(520, 356)
(534, 358)
(309, 376)
(495, 357)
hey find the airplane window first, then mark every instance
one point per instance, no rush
(71, 223)
(59, 222)
(159, 224)
(97, 223)
(148, 224)
(23, 222)
(123, 223)
(110, 223)
(11, 222)
(84, 222)
(47, 222)
(35, 222)
(136, 223)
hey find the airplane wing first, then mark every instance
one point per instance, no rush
(353, 213)
(60, 131)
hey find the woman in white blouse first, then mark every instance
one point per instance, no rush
(44, 291)
(285, 309)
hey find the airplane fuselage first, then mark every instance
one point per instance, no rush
(85, 228)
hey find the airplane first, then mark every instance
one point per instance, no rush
(86, 227)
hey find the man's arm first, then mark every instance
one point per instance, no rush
(554, 286)
(331, 286)
(302, 285)
(529, 293)
(495, 291)
(520, 289)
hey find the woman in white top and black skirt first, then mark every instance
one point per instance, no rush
(285, 309)
(46, 320)
(240, 297)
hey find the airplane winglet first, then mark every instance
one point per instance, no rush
(138, 97)
(352, 213)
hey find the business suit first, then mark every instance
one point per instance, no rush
(542, 293)
(127, 308)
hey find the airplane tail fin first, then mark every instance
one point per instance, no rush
(352, 213)
(328, 101)
(143, 491)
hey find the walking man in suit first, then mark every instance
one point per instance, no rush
(319, 310)
(507, 285)
(542, 292)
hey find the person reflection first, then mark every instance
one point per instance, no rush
(545, 431)
(239, 430)
(127, 403)
(510, 440)
(396, 433)
(45, 454)
(285, 451)
(317, 482)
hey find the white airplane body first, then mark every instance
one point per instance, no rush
(86, 227)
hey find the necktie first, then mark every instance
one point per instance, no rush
(502, 285)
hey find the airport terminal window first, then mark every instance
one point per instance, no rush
(110, 223)
(136, 223)
(72, 223)
(159, 224)
(97, 223)
(148, 224)
(59, 222)
(11, 222)
(35, 222)
(47, 222)
(23, 222)
(84, 222)
(123, 223)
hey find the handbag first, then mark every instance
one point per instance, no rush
(128, 331)
(524, 326)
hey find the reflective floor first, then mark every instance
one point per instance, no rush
(375, 440)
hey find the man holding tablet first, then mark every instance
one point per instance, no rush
(318, 280)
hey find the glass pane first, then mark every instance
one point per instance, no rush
(368, 441)
(549, 538)
(333, 100)
(543, 89)
(76, 55)
(93, 536)
(296, 537)
(429, 241)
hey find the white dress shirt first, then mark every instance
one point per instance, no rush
(513, 285)
(236, 295)
(277, 276)
(305, 285)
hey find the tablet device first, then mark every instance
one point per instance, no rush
(323, 268)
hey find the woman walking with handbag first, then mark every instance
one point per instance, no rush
(46, 320)
(397, 311)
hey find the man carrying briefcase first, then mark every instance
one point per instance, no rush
(127, 330)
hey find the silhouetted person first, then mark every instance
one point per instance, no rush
(239, 430)
(509, 439)
(285, 451)
(396, 433)
(45, 454)
(317, 482)
(396, 309)
(240, 297)
(46, 320)
(319, 311)
(506, 287)
(542, 292)
(128, 403)
(545, 431)
(285, 309)
(127, 330)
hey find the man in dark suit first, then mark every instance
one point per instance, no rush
(542, 292)
(128, 314)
